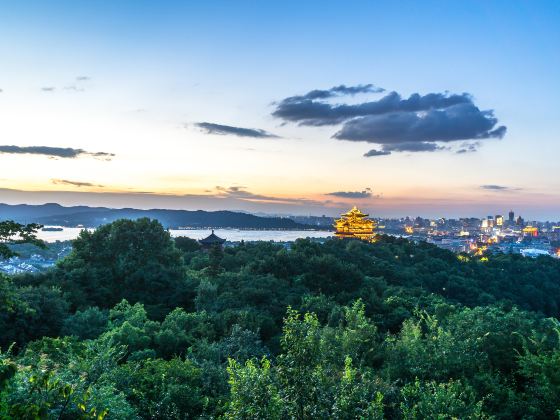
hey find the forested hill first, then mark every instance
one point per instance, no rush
(55, 214)
(134, 324)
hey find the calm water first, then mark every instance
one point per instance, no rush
(228, 234)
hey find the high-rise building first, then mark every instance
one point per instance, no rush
(511, 217)
(499, 220)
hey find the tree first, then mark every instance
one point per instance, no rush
(127, 259)
(539, 364)
(186, 244)
(215, 257)
(163, 389)
(87, 324)
(130, 327)
(64, 379)
(12, 233)
(254, 392)
(29, 313)
(180, 330)
(441, 401)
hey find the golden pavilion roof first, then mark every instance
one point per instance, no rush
(354, 212)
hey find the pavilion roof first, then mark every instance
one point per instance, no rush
(212, 239)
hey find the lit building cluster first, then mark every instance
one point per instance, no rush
(492, 234)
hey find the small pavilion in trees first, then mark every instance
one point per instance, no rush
(211, 241)
(355, 225)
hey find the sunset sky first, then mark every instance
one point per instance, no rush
(433, 108)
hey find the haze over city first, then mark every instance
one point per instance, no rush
(301, 108)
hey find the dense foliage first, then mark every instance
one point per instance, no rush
(133, 324)
(12, 233)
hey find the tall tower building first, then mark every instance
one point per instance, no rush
(511, 217)
(355, 224)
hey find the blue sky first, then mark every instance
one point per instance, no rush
(133, 78)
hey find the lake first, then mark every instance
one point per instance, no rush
(233, 235)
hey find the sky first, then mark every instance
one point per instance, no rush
(433, 108)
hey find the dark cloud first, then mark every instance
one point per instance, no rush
(309, 110)
(57, 152)
(100, 155)
(211, 128)
(48, 89)
(493, 187)
(457, 122)
(414, 124)
(374, 152)
(366, 193)
(335, 91)
(74, 183)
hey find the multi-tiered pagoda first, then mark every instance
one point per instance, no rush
(355, 225)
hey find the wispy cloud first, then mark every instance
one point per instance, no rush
(55, 152)
(468, 147)
(291, 108)
(241, 193)
(74, 88)
(223, 130)
(493, 187)
(366, 193)
(75, 183)
(374, 152)
(78, 85)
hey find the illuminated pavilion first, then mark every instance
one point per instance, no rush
(355, 225)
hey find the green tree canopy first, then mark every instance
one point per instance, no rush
(134, 260)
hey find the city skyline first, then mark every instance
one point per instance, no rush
(433, 110)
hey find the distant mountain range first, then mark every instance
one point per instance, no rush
(57, 215)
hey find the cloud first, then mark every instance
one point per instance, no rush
(366, 193)
(74, 88)
(374, 152)
(457, 122)
(467, 147)
(412, 147)
(493, 187)
(74, 183)
(310, 110)
(55, 152)
(335, 91)
(219, 129)
(77, 86)
(413, 124)
(240, 193)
